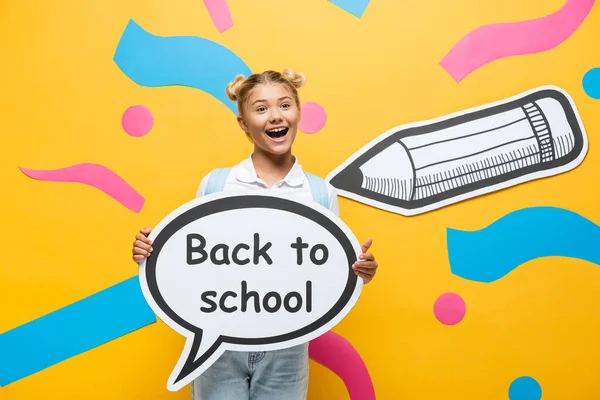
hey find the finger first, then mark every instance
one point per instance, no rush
(365, 265)
(366, 272)
(365, 277)
(142, 245)
(143, 238)
(140, 250)
(366, 245)
(362, 270)
(367, 257)
(137, 250)
(146, 231)
(138, 258)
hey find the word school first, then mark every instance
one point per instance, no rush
(272, 302)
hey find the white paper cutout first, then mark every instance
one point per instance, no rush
(419, 167)
(215, 295)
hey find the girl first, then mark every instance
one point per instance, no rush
(269, 112)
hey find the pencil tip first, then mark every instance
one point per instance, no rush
(349, 178)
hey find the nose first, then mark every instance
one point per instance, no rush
(275, 116)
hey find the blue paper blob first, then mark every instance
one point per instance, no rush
(525, 388)
(591, 83)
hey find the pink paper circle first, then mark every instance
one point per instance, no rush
(137, 121)
(449, 308)
(313, 117)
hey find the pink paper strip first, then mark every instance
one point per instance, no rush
(219, 12)
(491, 42)
(97, 176)
(337, 354)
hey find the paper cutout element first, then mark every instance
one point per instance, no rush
(449, 309)
(591, 83)
(422, 166)
(248, 273)
(151, 60)
(60, 341)
(491, 42)
(355, 7)
(525, 388)
(219, 13)
(338, 355)
(491, 253)
(72, 330)
(94, 175)
(313, 117)
(137, 121)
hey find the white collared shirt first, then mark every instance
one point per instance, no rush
(243, 178)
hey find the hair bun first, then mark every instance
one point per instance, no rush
(233, 88)
(295, 78)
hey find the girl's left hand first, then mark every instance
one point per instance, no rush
(366, 266)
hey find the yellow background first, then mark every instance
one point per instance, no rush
(61, 102)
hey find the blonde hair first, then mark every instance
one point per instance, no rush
(239, 88)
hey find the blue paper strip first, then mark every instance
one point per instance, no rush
(72, 330)
(494, 251)
(356, 7)
(151, 60)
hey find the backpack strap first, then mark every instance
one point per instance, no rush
(216, 180)
(318, 188)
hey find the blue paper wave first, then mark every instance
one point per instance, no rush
(493, 252)
(151, 60)
(354, 7)
(73, 329)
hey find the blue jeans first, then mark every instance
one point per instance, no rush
(271, 375)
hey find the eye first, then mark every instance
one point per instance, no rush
(285, 105)
(261, 109)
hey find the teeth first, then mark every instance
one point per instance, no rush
(277, 130)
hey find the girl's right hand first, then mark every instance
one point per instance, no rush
(142, 246)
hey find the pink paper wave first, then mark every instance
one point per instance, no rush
(219, 13)
(338, 355)
(491, 42)
(97, 176)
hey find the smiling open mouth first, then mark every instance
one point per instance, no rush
(277, 132)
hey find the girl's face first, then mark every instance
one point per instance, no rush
(271, 118)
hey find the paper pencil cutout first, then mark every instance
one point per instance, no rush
(419, 167)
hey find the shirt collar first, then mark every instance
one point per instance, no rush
(246, 173)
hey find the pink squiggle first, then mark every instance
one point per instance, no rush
(491, 42)
(97, 176)
(337, 354)
(219, 12)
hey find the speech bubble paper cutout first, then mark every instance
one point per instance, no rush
(422, 166)
(248, 273)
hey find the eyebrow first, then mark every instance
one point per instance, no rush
(263, 100)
